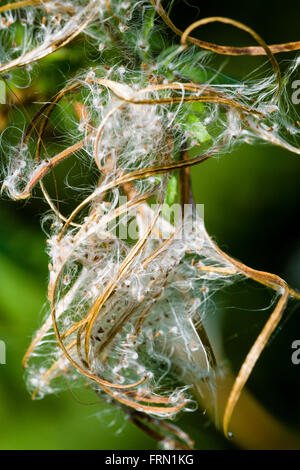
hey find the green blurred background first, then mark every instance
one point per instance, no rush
(252, 205)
